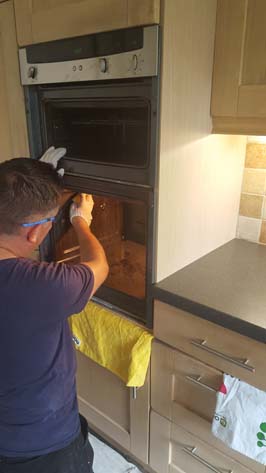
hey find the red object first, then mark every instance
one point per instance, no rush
(223, 389)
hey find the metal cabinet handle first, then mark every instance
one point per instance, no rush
(191, 451)
(197, 380)
(242, 363)
(134, 393)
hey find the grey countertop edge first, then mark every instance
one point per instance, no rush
(220, 318)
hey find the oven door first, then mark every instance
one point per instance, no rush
(121, 222)
(108, 129)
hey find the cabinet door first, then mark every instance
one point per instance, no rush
(111, 408)
(239, 80)
(39, 21)
(13, 130)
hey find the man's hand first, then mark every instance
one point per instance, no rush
(82, 209)
(52, 156)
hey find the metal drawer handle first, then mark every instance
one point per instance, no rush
(197, 380)
(243, 363)
(192, 452)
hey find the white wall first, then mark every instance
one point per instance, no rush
(200, 174)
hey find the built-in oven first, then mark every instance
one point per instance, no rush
(123, 222)
(97, 96)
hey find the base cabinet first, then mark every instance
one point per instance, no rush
(39, 21)
(111, 408)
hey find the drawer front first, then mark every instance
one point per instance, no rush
(221, 348)
(180, 379)
(172, 449)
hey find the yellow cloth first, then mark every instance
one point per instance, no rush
(116, 343)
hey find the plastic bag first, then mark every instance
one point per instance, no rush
(240, 418)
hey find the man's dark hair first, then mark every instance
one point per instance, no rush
(27, 187)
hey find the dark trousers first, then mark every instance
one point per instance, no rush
(75, 458)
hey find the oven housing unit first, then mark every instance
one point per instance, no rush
(99, 97)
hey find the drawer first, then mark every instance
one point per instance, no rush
(173, 449)
(221, 348)
(178, 379)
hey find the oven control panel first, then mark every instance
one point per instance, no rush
(78, 60)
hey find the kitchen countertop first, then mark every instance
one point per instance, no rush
(227, 287)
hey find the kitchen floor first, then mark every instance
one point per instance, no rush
(108, 460)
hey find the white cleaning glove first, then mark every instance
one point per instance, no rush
(82, 209)
(52, 155)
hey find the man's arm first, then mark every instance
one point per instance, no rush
(91, 251)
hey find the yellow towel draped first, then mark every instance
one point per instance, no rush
(114, 342)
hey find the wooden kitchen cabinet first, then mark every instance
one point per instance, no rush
(111, 409)
(38, 21)
(13, 130)
(183, 399)
(239, 75)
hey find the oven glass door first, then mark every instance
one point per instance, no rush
(103, 131)
(121, 227)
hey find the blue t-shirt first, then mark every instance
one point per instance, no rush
(38, 403)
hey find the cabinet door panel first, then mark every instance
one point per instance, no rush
(39, 21)
(239, 74)
(254, 56)
(13, 130)
(227, 57)
(110, 408)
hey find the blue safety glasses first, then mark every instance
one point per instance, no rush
(44, 220)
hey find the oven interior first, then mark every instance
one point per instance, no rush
(120, 224)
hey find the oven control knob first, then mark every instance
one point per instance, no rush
(135, 62)
(103, 65)
(32, 72)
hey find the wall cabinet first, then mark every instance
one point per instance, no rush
(39, 21)
(13, 130)
(239, 75)
(111, 408)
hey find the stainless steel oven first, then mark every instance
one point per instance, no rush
(98, 96)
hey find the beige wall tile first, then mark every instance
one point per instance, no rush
(256, 156)
(254, 181)
(263, 232)
(251, 205)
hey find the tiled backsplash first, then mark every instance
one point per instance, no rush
(252, 212)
